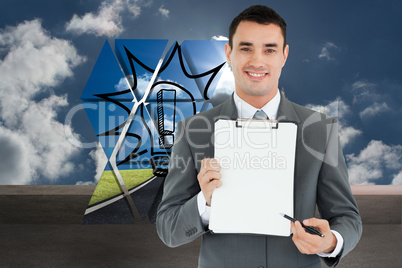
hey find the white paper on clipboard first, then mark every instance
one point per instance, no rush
(257, 165)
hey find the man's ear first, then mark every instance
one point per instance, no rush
(285, 54)
(228, 51)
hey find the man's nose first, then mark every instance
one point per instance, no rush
(257, 59)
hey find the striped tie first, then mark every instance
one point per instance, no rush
(260, 115)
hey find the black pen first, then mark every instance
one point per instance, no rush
(309, 229)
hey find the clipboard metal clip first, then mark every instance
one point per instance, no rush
(257, 123)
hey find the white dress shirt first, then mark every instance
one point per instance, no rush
(245, 110)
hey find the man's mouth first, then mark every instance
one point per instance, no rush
(256, 75)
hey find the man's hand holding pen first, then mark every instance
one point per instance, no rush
(313, 244)
(209, 177)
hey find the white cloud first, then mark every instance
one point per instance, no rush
(325, 51)
(34, 63)
(338, 109)
(16, 158)
(85, 183)
(373, 161)
(364, 91)
(124, 83)
(164, 12)
(373, 98)
(362, 84)
(373, 110)
(134, 7)
(397, 179)
(143, 83)
(107, 21)
(348, 134)
(99, 156)
(226, 84)
(220, 38)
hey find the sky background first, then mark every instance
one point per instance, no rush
(344, 60)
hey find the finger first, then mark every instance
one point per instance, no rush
(322, 225)
(303, 240)
(211, 164)
(209, 189)
(299, 228)
(316, 222)
(214, 184)
(204, 168)
(208, 164)
(302, 234)
(293, 227)
(297, 231)
(208, 177)
(299, 243)
(212, 175)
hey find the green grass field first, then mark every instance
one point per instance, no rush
(109, 186)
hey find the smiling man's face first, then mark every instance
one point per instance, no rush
(257, 58)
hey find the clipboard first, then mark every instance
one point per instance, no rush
(257, 158)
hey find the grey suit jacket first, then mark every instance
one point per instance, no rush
(320, 180)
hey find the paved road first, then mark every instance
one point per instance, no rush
(117, 210)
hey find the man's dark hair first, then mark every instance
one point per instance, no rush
(259, 14)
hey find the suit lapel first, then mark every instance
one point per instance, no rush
(286, 111)
(229, 109)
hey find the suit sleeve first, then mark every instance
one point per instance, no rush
(178, 221)
(334, 196)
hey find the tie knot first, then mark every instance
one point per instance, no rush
(260, 114)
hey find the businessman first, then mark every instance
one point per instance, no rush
(256, 52)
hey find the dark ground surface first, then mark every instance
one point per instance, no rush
(40, 226)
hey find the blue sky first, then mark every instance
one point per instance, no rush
(344, 59)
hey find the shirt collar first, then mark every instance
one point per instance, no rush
(245, 110)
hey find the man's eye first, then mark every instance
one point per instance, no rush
(271, 50)
(245, 49)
